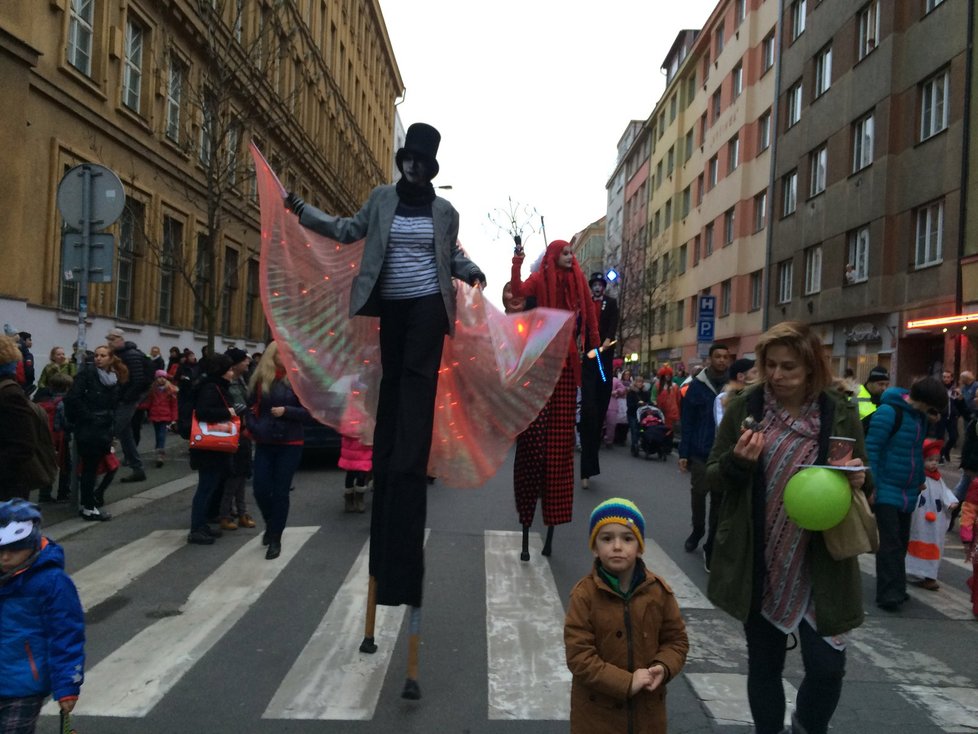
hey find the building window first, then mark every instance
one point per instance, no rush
(737, 80)
(169, 257)
(933, 105)
(725, 289)
(252, 299)
(677, 316)
(704, 126)
(708, 240)
(760, 211)
(131, 229)
(813, 270)
(786, 271)
(862, 142)
(706, 65)
(174, 99)
(716, 106)
(869, 28)
(80, 34)
(714, 171)
(718, 39)
(682, 259)
(687, 201)
(740, 12)
(206, 138)
(794, 103)
(691, 88)
(929, 5)
(756, 289)
(728, 226)
(229, 295)
(823, 71)
(689, 146)
(672, 109)
(764, 131)
(930, 234)
(658, 175)
(857, 267)
(789, 193)
(700, 189)
(132, 75)
(667, 216)
(798, 11)
(696, 250)
(733, 154)
(818, 160)
(767, 52)
(670, 160)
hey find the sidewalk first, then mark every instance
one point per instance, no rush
(175, 475)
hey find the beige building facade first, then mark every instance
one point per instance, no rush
(168, 95)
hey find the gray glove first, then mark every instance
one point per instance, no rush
(294, 203)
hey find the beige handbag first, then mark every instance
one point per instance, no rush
(856, 534)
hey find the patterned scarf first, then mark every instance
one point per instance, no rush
(788, 442)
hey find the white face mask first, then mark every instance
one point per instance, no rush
(15, 531)
(414, 169)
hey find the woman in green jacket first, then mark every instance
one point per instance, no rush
(772, 575)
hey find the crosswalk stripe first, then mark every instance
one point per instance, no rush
(952, 709)
(528, 675)
(331, 679)
(725, 697)
(134, 678)
(687, 593)
(111, 573)
(948, 601)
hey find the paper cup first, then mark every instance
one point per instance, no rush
(840, 449)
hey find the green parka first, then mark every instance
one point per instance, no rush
(737, 565)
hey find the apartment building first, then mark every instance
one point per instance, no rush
(633, 169)
(867, 217)
(589, 248)
(168, 95)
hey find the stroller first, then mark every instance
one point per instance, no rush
(655, 435)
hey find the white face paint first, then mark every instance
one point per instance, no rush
(414, 170)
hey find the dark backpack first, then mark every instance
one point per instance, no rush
(41, 469)
(897, 422)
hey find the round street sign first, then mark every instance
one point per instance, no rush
(108, 198)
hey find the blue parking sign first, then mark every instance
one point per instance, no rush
(706, 321)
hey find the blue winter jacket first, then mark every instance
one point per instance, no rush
(287, 429)
(698, 421)
(42, 630)
(898, 462)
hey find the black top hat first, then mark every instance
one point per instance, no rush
(421, 140)
(597, 277)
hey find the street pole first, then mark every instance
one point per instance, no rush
(86, 242)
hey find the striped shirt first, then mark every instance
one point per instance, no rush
(409, 268)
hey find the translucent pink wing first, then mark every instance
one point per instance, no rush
(496, 373)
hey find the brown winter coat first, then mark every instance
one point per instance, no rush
(606, 639)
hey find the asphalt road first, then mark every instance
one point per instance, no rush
(216, 639)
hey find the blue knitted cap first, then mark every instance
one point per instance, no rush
(621, 511)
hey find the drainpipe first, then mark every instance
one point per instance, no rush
(772, 182)
(963, 205)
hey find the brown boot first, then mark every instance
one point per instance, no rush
(349, 504)
(358, 501)
(228, 523)
(245, 521)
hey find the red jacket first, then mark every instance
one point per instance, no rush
(162, 401)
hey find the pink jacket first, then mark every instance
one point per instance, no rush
(355, 456)
(162, 403)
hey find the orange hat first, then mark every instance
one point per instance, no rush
(932, 447)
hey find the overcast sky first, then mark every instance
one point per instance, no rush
(531, 97)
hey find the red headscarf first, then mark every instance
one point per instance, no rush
(564, 288)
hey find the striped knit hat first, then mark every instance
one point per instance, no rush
(621, 511)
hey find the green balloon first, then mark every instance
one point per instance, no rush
(816, 498)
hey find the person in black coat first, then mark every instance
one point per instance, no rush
(212, 404)
(90, 407)
(130, 397)
(16, 414)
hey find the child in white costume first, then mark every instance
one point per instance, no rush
(930, 521)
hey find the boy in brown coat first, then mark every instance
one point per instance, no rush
(624, 635)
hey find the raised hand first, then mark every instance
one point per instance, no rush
(294, 203)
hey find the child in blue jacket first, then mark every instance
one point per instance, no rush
(42, 627)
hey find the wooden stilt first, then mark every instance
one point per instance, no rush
(548, 543)
(525, 555)
(368, 645)
(412, 690)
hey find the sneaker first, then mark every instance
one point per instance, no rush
(228, 524)
(138, 475)
(245, 521)
(200, 536)
(692, 541)
(706, 561)
(929, 584)
(93, 514)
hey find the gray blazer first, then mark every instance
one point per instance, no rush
(373, 221)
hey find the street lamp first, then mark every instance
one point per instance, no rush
(633, 357)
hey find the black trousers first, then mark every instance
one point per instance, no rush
(412, 334)
(820, 689)
(891, 558)
(595, 396)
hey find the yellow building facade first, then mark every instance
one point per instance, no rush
(168, 94)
